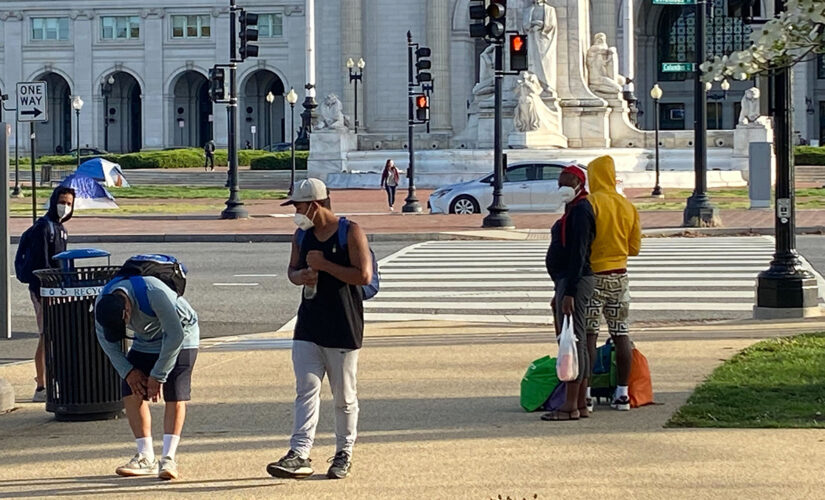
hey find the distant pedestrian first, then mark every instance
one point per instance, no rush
(389, 181)
(329, 329)
(163, 353)
(58, 150)
(618, 235)
(36, 250)
(247, 145)
(568, 263)
(209, 151)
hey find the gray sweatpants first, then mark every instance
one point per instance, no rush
(311, 362)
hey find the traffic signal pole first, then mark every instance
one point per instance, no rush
(411, 204)
(234, 206)
(499, 215)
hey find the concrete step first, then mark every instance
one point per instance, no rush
(810, 173)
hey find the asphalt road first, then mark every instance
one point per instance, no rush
(813, 249)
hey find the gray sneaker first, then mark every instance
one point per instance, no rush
(139, 465)
(168, 468)
(341, 466)
(290, 466)
(39, 395)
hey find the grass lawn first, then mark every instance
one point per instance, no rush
(727, 198)
(777, 383)
(155, 199)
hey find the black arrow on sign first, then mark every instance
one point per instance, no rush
(33, 112)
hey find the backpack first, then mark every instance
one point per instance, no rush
(23, 259)
(605, 377)
(343, 231)
(163, 267)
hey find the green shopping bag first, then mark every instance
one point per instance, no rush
(538, 382)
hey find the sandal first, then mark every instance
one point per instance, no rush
(559, 415)
(582, 414)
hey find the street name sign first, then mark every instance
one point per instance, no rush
(677, 67)
(674, 2)
(31, 102)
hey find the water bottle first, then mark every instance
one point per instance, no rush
(310, 291)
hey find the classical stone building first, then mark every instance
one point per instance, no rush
(156, 56)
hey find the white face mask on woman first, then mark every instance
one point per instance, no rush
(303, 222)
(567, 194)
(63, 211)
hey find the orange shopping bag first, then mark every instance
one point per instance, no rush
(639, 385)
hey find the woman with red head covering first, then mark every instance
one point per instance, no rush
(568, 263)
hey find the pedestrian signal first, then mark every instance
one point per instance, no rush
(422, 108)
(518, 52)
(217, 80)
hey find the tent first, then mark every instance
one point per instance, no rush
(88, 193)
(104, 171)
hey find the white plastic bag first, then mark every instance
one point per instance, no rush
(567, 363)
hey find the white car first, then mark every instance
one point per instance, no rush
(527, 187)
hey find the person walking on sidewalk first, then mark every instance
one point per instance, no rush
(389, 181)
(329, 328)
(36, 250)
(163, 353)
(618, 235)
(568, 263)
(209, 151)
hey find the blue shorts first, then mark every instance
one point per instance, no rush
(178, 385)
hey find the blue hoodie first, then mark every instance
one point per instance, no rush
(43, 253)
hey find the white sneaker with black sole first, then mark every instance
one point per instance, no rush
(622, 403)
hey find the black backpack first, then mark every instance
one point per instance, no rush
(163, 267)
(23, 259)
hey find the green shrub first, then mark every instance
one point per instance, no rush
(809, 155)
(280, 161)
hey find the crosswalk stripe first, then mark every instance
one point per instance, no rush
(493, 276)
(530, 294)
(546, 283)
(543, 306)
(632, 269)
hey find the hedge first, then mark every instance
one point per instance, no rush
(174, 158)
(280, 161)
(809, 155)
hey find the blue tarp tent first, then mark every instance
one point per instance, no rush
(88, 193)
(105, 171)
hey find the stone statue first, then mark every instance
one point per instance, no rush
(603, 68)
(529, 108)
(750, 107)
(331, 115)
(486, 73)
(541, 27)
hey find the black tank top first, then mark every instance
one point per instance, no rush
(335, 316)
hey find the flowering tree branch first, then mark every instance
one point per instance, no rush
(790, 37)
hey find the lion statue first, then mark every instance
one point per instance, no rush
(750, 107)
(331, 114)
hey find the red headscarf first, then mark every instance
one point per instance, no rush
(579, 173)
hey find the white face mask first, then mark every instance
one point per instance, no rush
(63, 211)
(567, 194)
(303, 222)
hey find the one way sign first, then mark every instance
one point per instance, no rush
(31, 102)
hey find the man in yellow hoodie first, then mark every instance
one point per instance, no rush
(618, 235)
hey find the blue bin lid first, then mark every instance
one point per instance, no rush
(82, 253)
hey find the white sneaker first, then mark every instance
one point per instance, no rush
(168, 468)
(139, 465)
(392, 209)
(39, 396)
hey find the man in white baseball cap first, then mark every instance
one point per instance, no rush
(332, 261)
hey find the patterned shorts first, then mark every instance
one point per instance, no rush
(611, 298)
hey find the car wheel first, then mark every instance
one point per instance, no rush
(464, 205)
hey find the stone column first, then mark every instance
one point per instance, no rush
(156, 113)
(220, 30)
(82, 85)
(13, 70)
(438, 39)
(627, 59)
(351, 46)
(799, 86)
(603, 18)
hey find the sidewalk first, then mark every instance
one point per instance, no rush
(439, 419)
(270, 221)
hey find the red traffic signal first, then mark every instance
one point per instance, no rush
(518, 52)
(422, 107)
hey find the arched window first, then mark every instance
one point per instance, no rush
(677, 30)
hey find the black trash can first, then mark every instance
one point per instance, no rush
(81, 383)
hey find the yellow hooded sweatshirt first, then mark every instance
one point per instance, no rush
(618, 231)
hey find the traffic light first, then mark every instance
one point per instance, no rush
(518, 52)
(488, 21)
(248, 33)
(423, 64)
(422, 107)
(217, 80)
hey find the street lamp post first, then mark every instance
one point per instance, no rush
(270, 98)
(656, 94)
(77, 105)
(106, 91)
(356, 76)
(292, 98)
(308, 116)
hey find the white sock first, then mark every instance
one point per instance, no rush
(144, 447)
(621, 390)
(170, 445)
(587, 394)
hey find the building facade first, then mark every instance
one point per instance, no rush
(142, 69)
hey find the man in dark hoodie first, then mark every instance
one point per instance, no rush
(45, 239)
(568, 263)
